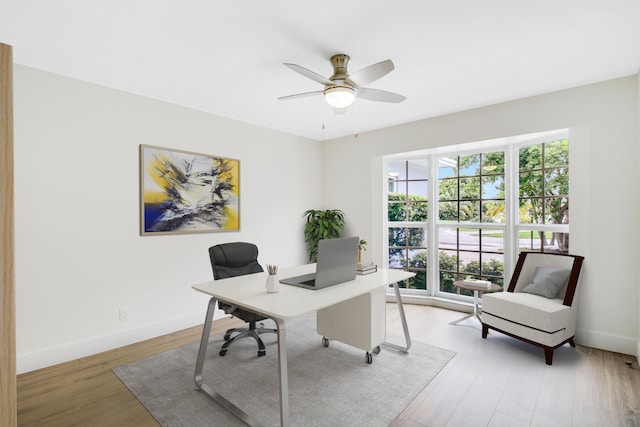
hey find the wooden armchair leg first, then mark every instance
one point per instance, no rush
(548, 355)
(485, 330)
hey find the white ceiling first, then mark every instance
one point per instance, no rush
(225, 57)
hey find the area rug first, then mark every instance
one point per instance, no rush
(328, 386)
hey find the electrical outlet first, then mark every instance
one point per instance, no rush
(123, 314)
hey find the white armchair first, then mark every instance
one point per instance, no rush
(540, 304)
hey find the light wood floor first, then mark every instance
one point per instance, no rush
(494, 382)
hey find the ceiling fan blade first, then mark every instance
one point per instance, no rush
(309, 74)
(371, 73)
(379, 95)
(301, 95)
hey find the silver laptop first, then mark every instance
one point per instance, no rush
(336, 264)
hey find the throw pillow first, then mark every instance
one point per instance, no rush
(547, 282)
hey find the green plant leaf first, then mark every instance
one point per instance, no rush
(321, 224)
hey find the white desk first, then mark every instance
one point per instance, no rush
(249, 292)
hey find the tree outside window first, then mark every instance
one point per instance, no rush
(544, 195)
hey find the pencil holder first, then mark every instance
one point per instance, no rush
(272, 282)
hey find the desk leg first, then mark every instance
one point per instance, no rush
(200, 385)
(403, 319)
(282, 367)
(284, 376)
(204, 342)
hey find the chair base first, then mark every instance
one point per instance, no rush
(252, 331)
(548, 351)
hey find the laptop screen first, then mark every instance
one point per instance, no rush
(337, 260)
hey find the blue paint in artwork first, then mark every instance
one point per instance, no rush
(152, 214)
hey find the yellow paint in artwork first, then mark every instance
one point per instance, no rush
(232, 221)
(233, 174)
(155, 197)
(157, 171)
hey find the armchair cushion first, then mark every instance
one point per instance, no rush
(544, 314)
(547, 282)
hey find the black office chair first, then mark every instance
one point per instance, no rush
(238, 259)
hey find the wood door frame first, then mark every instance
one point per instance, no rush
(8, 398)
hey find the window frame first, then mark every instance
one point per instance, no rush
(511, 227)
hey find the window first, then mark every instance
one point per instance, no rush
(408, 204)
(471, 188)
(408, 251)
(471, 192)
(407, 193)
(544, 197)
(492, 200)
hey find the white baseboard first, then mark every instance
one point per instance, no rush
(28, 362)
(610, 342)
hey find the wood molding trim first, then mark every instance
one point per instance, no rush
(8, 400)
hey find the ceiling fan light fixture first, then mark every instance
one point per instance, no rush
(340, 96)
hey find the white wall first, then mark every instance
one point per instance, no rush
(79, 255)
(80, 258)
(603, 123)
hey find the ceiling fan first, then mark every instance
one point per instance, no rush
(341, 89)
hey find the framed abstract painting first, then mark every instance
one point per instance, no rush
(184, 192)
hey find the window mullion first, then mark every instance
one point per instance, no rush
(431, 228)
(512, 207)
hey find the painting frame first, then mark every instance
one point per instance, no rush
(185, 192)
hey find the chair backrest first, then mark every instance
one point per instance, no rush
(528, 261)
(234, 259)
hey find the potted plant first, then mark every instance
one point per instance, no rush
(321, 224)
(362, 246)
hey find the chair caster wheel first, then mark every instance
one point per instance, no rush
(261, 353)
(222, 352)
(376, 350)
(369, 358)
(227, 337)
(325, 342)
